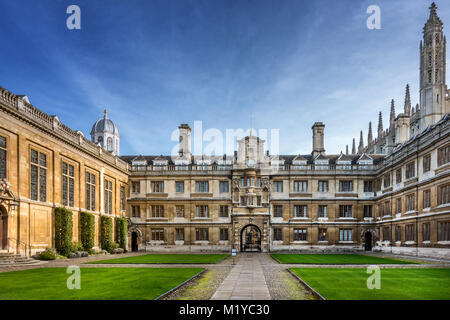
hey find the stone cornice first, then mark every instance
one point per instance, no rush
(23, 111)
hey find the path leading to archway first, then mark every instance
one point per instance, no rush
(245, 281)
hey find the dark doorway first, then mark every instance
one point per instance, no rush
(134, 241)
(368, 241)
(3, 229)
(250, 238)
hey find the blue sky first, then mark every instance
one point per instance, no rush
(156, 64)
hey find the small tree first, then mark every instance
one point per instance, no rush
(63, 231)
(87, 230)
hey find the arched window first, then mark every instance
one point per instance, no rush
(100, 141)
(109, 144)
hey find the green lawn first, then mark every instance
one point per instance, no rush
(96, 283)
(336, 259)
(168, 258)
(396, 284)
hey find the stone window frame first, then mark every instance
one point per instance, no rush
(321, 213)
(300, 211)
(157, 186)
(278, 186)
(345, 213)
(345, 234)
(426, 201)
(426, 163)
(443, 155)
(277, 234)
(40, 196)
(348, 185)
(157, 234)
(223, 208)
(369, 212)
(223, 234)
(300, 186)
(443, 194)
(108, 189)
(177, 188)
(277, 213)
(158, 211)
(135, 211)
(68, 201)
(122, 198)
(323, 186)
(224, 186)
(91, 205)
(201, 234)
(300, 234)
(4, 174)
(178, 233)
(410, 170)
(202, 211)
(202, 186)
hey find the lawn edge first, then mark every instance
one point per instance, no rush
(279, 262)
(314, 292)
(400, 260)
(180, 285)
(157, 263)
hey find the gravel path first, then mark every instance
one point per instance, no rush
(203, 287)
(282, 285)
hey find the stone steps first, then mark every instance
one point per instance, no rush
(12, 259)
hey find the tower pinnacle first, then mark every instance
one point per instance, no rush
(407, 108)
(380, 125)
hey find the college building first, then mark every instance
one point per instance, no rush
(390, 194)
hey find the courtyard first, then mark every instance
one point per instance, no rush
(248, 276)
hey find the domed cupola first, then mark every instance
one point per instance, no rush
(105, 133)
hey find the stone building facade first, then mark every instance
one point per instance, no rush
(45, 165)
(391, 194)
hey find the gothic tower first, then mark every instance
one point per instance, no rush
(432, 72)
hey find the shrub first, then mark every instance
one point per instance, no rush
(48, 254)
(87, 230)
(76, 246)
(106, 233)
(122, 232)
(63, 231)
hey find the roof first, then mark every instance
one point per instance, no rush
(104, 125)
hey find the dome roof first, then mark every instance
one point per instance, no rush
(104, 125)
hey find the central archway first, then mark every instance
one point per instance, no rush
(250, 238)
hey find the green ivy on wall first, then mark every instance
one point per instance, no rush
(87, 230)
(63, 231)
(122, 232)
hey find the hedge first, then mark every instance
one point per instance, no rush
(87, 230)
(63, 231)
(122, 232)
(106, 233)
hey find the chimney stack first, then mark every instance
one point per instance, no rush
(318, 131)
(184, 147)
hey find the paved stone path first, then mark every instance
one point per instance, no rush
(245, 281)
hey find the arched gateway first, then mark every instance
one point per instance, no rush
(250, 238)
